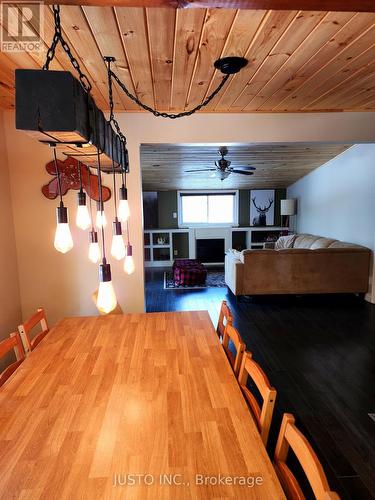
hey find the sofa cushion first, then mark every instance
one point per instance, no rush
(285, 242)
(344, 244)
(311, 242)
(305, 240)
(322, 243)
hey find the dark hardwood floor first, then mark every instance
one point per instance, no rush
(319, 353)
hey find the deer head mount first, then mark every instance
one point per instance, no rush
(261, 220)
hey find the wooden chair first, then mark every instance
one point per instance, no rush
(262, 416)
(290, 436)
(38, 318)
(225, 318)
(13, 342)
(232, 334)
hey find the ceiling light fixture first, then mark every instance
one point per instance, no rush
(94, 249)
(123, 206)
(83, 220)
(106, 300)
(101, 219)
(118, 246)
(41, 92)
(63, 238)
(129, 266)
(124, 212)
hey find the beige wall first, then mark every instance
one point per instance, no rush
(63, 283)
(10, 315)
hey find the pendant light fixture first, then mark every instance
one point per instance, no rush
(101, 219)
(43, 93)
(123, 206)
(106, 300)
(129, 266)
(118, 246)
(63, 238)
(83, 220)
(94, 249)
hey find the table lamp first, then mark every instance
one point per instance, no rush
(288, 209)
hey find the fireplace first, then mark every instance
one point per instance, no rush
(210, 250)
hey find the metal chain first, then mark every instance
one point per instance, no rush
(111, 104)
(111, 74)
(57, 37)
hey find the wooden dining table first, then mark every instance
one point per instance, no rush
(138, 406)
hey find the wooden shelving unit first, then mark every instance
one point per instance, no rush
(159, 254)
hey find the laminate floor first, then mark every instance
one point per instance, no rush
(319, 353)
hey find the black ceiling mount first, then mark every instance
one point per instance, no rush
(230, 65)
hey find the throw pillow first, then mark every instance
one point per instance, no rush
(285, 242)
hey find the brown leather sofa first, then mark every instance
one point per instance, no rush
(312, 264)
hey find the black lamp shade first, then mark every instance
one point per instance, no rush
(62, 214)
(105, 272)
(93, 237)
(81, 196)
(123, 193)
(117, 229)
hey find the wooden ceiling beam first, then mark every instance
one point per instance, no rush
(321, 5)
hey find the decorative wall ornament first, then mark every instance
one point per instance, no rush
(69, 176)
(262, 207)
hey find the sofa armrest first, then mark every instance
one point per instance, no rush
(234, 270)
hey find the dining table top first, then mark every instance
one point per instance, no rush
(140, 406)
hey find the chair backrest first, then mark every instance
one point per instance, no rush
(38, 318)
(290, 436)
(262, 415)
(225, 318)
(232, 334)
(13, 342)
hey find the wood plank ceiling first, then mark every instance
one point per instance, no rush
(277, 165)
(298, 60)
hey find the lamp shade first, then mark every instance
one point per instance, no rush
(288, 207)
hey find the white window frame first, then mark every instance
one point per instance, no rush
(203, 193)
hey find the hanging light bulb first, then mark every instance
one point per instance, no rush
(101, 219)
(123, 212)
(118, 245)
(129, 266)
(106, 300)
(94, 249)
(63, 237)
(83, 217)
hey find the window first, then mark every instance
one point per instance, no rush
(208, 208)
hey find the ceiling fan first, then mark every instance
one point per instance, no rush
(223, 168)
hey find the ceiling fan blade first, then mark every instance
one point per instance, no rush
(201, 170)
(243, 172)
(245, 167)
